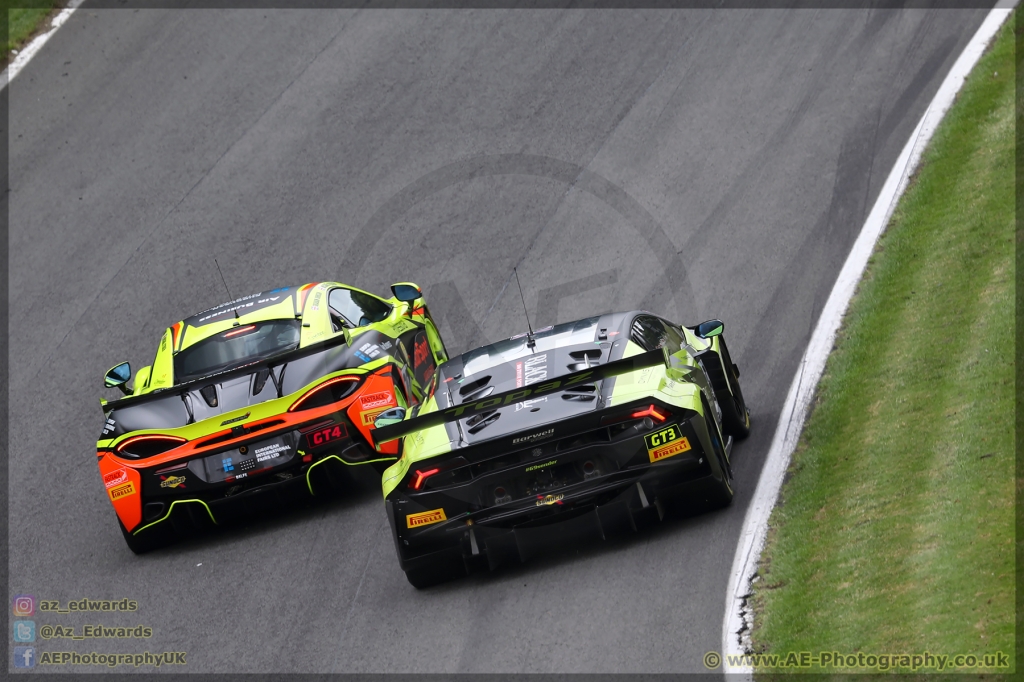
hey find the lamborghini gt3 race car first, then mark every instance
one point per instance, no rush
(255, 402)
(586, 428)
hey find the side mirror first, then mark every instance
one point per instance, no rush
(389, 417)
(706, 330)
(118, 376)
(406, 292)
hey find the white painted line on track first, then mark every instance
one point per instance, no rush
(25, 56)
(794, 410)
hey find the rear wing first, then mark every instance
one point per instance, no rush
(393, 432)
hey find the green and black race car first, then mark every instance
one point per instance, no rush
(585, 428)
(260, 401)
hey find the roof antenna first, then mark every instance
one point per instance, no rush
(530, 341)
(230, 297)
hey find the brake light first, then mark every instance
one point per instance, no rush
(139, 447)
(421, 476)
(651, 411)
(236, 332)
(330, 391)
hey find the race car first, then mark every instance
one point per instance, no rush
(587, 428)
(261, 401)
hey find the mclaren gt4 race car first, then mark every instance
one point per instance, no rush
(586, 428)
(259, 400)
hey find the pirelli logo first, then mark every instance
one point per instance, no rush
(425, 518)
(666, 443)
(368, 417)
(122, 491)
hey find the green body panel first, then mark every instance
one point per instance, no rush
(316, 328)
(142, 380)
(416, 448)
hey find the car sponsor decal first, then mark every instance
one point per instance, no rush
(234, 419)
(270, 451)
(115, 478)
(531, 371)
(376, 400)
(533, 436)
(367, 352)
(238, 304)
(172, 481)
(109, 426)
(421, 351)
(425, 518)
(326, 435)
(368, 417)
(541, 466)
(121, 491)
(666, 443)
(402, 326)
(549, 499)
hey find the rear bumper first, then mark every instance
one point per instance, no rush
(186, 515)
(597, 512)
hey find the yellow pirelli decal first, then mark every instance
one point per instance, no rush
(368, 417)
(122, 491)
(425, 518)
(666, 443)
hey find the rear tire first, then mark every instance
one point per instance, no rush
(438, 570)
(735, 415)
(722, 492)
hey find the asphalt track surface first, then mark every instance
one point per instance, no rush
(695, 163)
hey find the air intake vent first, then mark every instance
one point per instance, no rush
(475, 390)
(209, 393)
(582, 393)
(260, 380)
(585, 359)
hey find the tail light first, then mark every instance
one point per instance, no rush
(655, 412)
(141, 447)
(330, 391)
(420, 476)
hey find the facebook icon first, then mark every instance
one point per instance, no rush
(24, 657)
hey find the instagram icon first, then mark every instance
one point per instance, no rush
(24, 605)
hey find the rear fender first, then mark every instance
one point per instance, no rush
(124, 490)
(378, 393)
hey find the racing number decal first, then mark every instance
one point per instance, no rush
(425, 518)
(665, 443)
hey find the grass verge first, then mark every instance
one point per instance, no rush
(895, 529)
(25, 20)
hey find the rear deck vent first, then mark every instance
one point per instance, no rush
(260, 380)
(209, 393)
(474, 390)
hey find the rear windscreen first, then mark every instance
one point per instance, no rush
(236, 347)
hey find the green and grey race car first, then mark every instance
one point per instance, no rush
(259, 402)
(585, 428)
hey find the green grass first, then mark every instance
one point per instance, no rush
(895, 529)
(24, 21)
